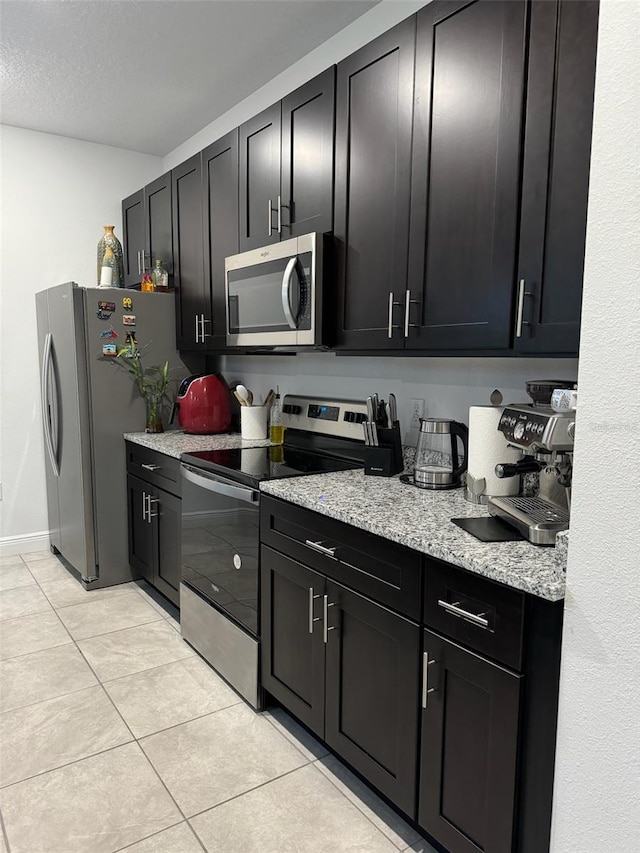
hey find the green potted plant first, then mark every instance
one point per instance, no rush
(152, 382)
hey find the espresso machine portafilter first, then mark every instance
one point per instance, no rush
(546, 438)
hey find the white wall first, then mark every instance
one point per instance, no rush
(598, 758)
(57, 193)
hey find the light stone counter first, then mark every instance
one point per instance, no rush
(176, 442)
(421, 520)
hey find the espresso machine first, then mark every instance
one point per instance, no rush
(545, 437)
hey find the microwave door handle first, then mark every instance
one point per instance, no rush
(287, 280)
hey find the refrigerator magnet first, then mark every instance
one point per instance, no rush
(129, 319)
(106, 306)
(109, 350)
(130, 340)
(103, 315)
(127, 303)
(109, 333)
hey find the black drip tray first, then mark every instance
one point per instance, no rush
(489, 529)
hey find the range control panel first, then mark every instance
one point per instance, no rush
(538, 427)
(342, 418)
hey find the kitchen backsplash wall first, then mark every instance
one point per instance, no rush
(447, 385)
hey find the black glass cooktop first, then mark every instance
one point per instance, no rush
(251, 465)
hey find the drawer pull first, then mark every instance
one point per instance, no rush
(426, 663)
(312, 619)
(150, 467)
(463, 614)
(321, 549)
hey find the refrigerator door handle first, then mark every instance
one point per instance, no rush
(44, 400)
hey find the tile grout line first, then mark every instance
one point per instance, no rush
(5, 836)
(159, 832)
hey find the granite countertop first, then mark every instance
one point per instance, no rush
(176, 442)
(422, 520)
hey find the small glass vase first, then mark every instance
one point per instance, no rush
(154, 413)
(109, 240)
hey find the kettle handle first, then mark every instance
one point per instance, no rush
(460, 431)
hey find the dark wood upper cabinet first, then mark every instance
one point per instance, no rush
(470, 69)
(469, 749)
(188, 266)
(308, 124)
(286, 166)
(259, 179)
(555, 182)
(374, 106)
(147, 231)
(220, 206)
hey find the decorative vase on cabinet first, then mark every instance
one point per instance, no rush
(109, 240)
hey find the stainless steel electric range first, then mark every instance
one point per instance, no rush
(219, 589)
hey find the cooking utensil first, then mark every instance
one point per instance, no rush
(394, 408)
(370, 410)
(240, 399)
(388, 414)
(245, 394)
(268, 400)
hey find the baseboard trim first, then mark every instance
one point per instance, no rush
(25, 544)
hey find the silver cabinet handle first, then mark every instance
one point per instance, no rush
(321, 549)
(150, 467)
(520, 322)
(204, 334)
(279, 216)
(143, 260)
(390, 326)
(463, 614)
(138, 254)
(426, 663)
(197, 333)
(325, 613)
(270, 213)
(145, 508)
(151, 500)
(312, 619)
(408, 302)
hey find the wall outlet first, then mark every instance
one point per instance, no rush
(415, 413)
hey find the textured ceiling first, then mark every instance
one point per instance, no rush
(148, 74)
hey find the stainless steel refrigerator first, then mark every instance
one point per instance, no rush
(88, 402)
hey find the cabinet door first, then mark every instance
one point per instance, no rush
(469, 749)
(372, 685)
(188, 268)
(260, 179)
(557, 149)
(465, 178)
(166, 514)
(133, 238)
(307, 157)
(374, 98)
(292, 647)
(141, 533)
(220, 184)
(158, 231)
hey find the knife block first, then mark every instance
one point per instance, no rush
(385, 460)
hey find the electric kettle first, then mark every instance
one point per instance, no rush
(437, 465)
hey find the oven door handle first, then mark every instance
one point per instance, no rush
(291, 312)
(219, 485)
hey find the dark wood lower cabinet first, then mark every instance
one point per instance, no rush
(347, 668)
(293, 652)
(155, 519)
(371, 703)
(469, 749)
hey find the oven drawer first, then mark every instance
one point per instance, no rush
(479, 613)
(382, 570)
(154, 467)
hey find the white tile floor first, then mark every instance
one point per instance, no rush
(115, 735)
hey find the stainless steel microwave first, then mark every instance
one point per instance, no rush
(274, 294)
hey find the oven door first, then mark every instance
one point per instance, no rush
(220, 541)
(271, 295)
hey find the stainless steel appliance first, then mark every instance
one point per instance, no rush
(87, 404)
(274, 294)
(546, 438)
(437, 465)
(220, 537)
